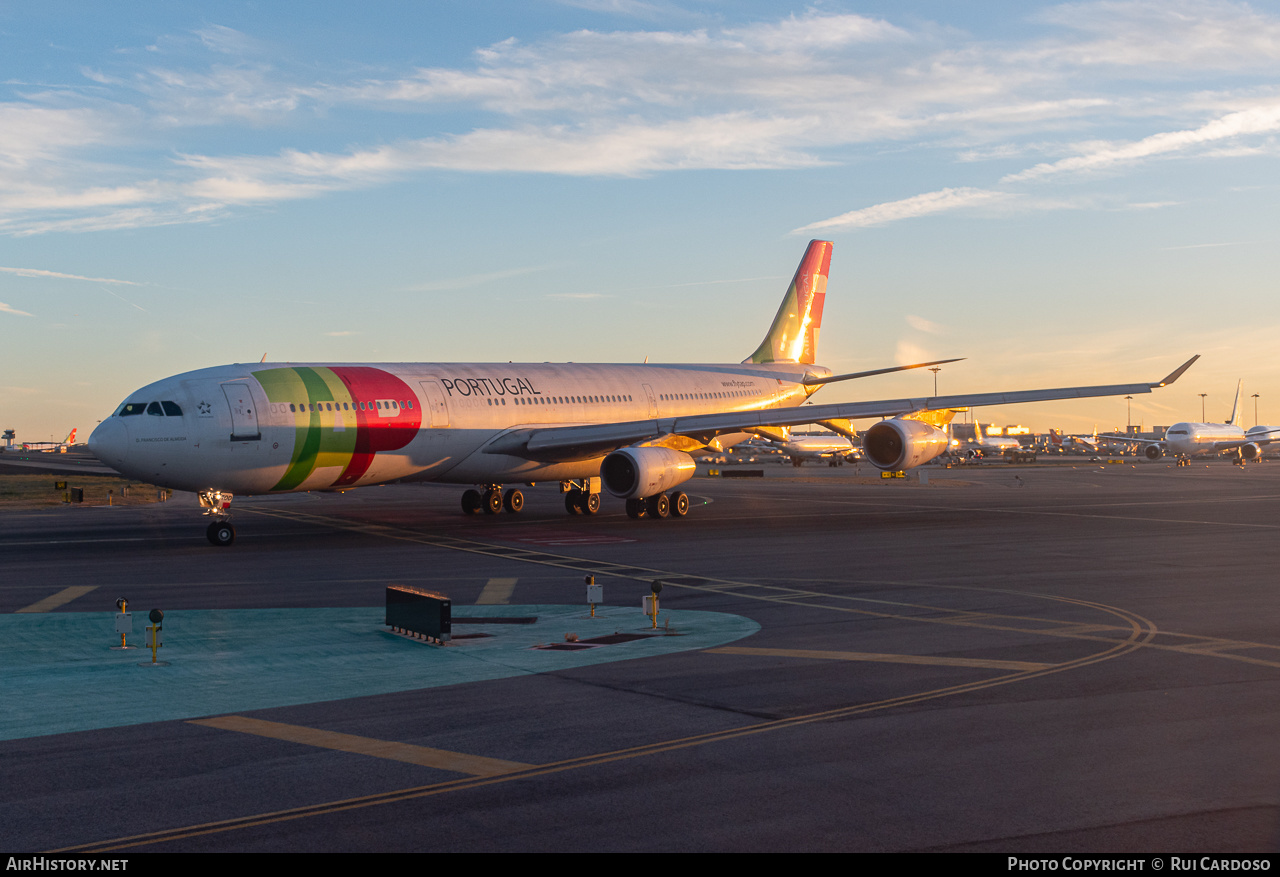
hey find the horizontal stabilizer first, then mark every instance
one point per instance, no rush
(831, 379)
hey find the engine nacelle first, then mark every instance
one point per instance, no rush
(1250, 452)
(1153, 452)
(643, 472)
(902, 444)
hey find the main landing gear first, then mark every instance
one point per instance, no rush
(662, 505)
(217, 505)
(492, 500)
(580, 502)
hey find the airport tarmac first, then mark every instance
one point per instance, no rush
(1048, 658)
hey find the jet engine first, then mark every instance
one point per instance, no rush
(643, 472)
(1153, 452)
(902, 444)
(1250, 452)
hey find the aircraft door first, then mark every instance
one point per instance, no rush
(653, 402)
(437, 408)
(244, 419)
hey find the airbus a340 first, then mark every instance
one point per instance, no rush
(267, 428)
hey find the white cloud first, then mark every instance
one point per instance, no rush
(7, 309)
(907, 208)
(1259, 119)
(36, 272)
(795, 92)
(923, 325)
(816, 31)
(473, 280)
(1186, 34)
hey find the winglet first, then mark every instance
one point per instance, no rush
(1176, 373)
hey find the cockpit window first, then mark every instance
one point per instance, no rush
(132, 408)
(154, 408)
(171, 409)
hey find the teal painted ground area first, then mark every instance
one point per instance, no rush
(60, 673)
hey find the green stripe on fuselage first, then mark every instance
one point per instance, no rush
(322, 438)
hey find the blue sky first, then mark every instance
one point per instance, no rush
(1063, 193)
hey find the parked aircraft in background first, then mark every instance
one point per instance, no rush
(834, 449)
(1061, 442)
(51, 447)
(1186, 440)
(266, 428)
(1258, 434)
(981, 445)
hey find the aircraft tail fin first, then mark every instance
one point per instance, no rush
(793, 337)
(71, 438)
(1235, 406)
(1055, 438)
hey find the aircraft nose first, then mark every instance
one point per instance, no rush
(108, 442)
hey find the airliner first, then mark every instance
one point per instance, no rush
(832, 448)
(980, 444)
(267, 428)
(1186, 440)
(1060, 441)
(51, 447)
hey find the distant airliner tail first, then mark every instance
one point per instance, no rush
(793, 337)
(1235, 407)
(71, 438)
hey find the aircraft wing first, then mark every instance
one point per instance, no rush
(562, 443)
(1133, 440)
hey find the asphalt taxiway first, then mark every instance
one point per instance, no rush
(1045, 658)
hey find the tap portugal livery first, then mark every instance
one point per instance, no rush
(274, 428)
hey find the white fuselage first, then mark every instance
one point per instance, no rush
(1270, 434)
(272, 427)
(985, 445)
(809, 446)
(1190, 439)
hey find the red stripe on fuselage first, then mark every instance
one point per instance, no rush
(377, 430)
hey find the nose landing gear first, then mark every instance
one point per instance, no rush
(217, 504)
(221, 533)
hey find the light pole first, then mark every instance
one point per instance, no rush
(1128, 414)
(1255, 409)
(935, 370)
(1202, 395)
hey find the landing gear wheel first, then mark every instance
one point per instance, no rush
(471, 502)
(659, 505)
(221, 533)
(590, 503)
(572, 501)
(679, 504)
(637, 508)
(493, 502)
(513, 501)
